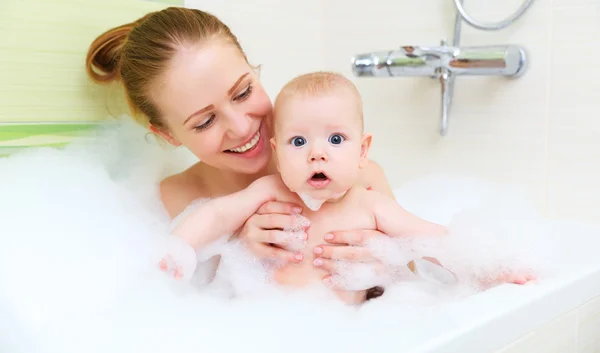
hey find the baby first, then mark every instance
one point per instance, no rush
(320, 147)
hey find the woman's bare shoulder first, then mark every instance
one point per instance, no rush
(373, 176)
(179, 190)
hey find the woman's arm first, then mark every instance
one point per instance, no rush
(223, 215)
(374, 177)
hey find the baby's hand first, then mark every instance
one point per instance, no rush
(170, 266)
(511, 277)
(516, 278)
(180, 260)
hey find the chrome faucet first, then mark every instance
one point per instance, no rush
(506, 60)
(443, 62)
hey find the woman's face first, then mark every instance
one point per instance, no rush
(213, 104)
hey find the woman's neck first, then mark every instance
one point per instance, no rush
(222, 182)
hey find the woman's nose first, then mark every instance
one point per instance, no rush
(239, 125)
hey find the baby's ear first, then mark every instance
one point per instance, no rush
(365, 145)
(273, 144)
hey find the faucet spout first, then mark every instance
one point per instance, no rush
(444, 63)
(447, 84)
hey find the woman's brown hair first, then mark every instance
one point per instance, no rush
(139, 52)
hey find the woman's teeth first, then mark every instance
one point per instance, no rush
(247, 146)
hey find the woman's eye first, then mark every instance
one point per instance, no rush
(298, 141)
(206, 124)
(244, 94)
(336, 139)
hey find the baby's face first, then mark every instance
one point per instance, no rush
(319, 145)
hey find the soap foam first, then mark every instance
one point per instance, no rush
(310, 202)
(79, 269)
(314, 204)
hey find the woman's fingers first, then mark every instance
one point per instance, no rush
(279, 207)
(347, 253)
(281, 221)
(328, 265)
(273, 252)
(352, 237)
(342, 276)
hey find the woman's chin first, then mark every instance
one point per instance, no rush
(253, 166)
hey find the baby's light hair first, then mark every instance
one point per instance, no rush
(315, 84)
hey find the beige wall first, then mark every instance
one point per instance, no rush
(42, 56)
(542, 130)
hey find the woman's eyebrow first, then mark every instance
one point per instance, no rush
(237, 83)
(230, 91)
(208, 107)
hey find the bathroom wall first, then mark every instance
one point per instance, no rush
(573, 332)
(539, 130)
(285, 38)
(43, 45)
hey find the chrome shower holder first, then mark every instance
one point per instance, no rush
(445, 62)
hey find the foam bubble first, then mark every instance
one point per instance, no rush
(78, 263)
(310, 202)
(314, 204)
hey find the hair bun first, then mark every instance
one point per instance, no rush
(104, 54)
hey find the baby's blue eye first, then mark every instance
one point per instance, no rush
(298, 141)
(336, 139)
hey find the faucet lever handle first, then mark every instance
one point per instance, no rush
(436, 52)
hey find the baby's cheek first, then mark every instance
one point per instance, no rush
(290, 179)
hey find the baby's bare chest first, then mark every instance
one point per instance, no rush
(342, 218)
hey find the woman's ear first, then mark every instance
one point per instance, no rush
(165, 135)
(365, 145)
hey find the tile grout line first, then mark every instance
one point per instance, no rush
(548, 111)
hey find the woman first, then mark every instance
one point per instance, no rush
(187, 78)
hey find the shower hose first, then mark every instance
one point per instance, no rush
(492, 26)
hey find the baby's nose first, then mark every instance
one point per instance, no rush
(318, 156)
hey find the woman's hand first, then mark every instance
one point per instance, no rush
(275, 230)
(350, 265)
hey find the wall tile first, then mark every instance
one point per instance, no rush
(496, 126)
(573, 149)
(589, 327)
(559, 336)
(575, 3)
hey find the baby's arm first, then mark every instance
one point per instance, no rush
(395, 221)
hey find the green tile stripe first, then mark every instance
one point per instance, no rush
(17, 131)
(14, 137)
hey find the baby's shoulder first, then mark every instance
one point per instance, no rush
(360, 194)
(369, 198)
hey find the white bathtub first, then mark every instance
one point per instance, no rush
(64, 302)
(563, 317)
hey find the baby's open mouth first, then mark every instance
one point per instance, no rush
(319, 176)
(319, 180)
